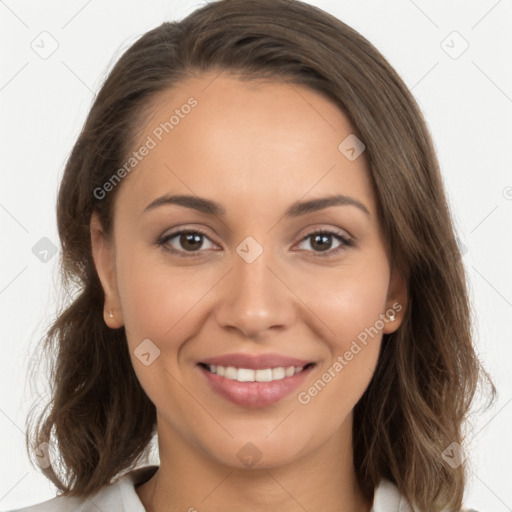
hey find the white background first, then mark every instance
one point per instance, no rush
(467, 102)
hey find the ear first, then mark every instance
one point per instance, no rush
(103, 253)
(396, 302)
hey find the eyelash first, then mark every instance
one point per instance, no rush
(345, 242)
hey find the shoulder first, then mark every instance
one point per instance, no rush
(387, 498)
(119, 496)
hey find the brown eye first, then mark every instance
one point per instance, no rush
(321, 242)
(183, 242)
(191, 241)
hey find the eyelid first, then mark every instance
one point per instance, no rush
(343, 233)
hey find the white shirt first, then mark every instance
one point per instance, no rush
(121, 497)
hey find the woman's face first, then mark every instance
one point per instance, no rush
(248, 287)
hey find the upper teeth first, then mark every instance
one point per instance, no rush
(249, 375)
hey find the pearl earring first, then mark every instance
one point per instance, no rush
(392, 317)
(110, 314)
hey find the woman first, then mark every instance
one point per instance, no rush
(268, 280)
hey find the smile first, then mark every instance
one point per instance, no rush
(250, 375)
(248, 387)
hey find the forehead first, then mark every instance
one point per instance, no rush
(249, 142)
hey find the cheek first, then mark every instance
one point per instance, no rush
(349, 305)
(160, 303)
(347, 300)
(155, 298)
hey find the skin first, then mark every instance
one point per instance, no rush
(255, 147)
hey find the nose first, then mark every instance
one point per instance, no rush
(254, 298)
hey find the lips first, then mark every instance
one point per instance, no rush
(254, 393)
(259, 362)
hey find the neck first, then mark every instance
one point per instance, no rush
(189, 480)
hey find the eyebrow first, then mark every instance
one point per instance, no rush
(295, 210)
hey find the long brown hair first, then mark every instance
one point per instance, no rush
(100, 421)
